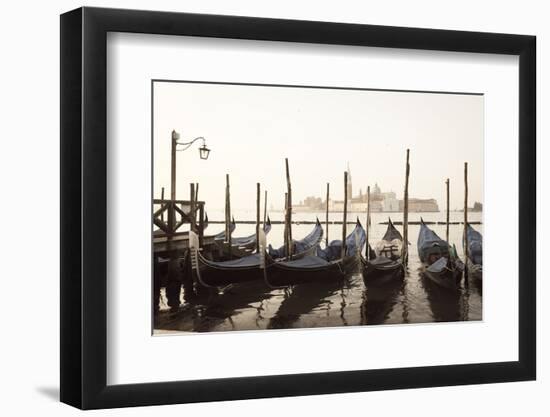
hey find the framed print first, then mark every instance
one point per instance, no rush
(356, 200)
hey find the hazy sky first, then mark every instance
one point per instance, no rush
(251, 129)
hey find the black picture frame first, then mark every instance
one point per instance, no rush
(84, 207)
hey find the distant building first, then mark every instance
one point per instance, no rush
(391, 203)
(379, 201)
(477, 207)
(310, 204)
(420, 205)
(350, 188)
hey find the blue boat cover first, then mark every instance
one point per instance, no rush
(249, 240)
(429, 243)
(245, 240)
(354, 242)
(475, 245)
(438, 266)
(300, 246)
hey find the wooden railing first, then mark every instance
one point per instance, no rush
(170, 215)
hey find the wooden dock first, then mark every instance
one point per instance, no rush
(180, 242)
(171, 247)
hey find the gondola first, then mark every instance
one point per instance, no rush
(222, 273)
(384, 263)
(474, 261)
(325, 265)
(240, 246)
(440, 262)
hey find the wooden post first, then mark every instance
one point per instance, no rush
(405, 252)
(368, 223)
(286, 224)
(172, 208)
(447, 226)
(188, 287)
(326, 216)
(345, 219)
(173, 285)
(192, 209)
(265, 207)
(162, 199)
(228, 214)
(466, 222)
(196, 191)
(156, 284)
(289, 209)
(201, 225)
(257, 217)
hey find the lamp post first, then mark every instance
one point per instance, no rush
(204, 152)
(173, 286)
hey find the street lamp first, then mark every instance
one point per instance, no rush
(203, 150)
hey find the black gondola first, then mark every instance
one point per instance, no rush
(221, 273)
(474, 262)
(440, 262)
(326, 265)
(384, 263)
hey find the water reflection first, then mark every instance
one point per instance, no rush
(239, 307)
(303, 299)
(380, 300)
(445, 304)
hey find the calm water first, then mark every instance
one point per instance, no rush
(252, 306)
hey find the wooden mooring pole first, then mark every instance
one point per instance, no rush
(188, 286)
(289, 209)
(228, 215)
(447, 209)
(172, 210)
(367, 225)
(345, 219)
(257, 217)
(192, 209)
(265, 207)
(286, 225)
(173, 284)
(405, 252)
(326, 216)
(465, 237)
